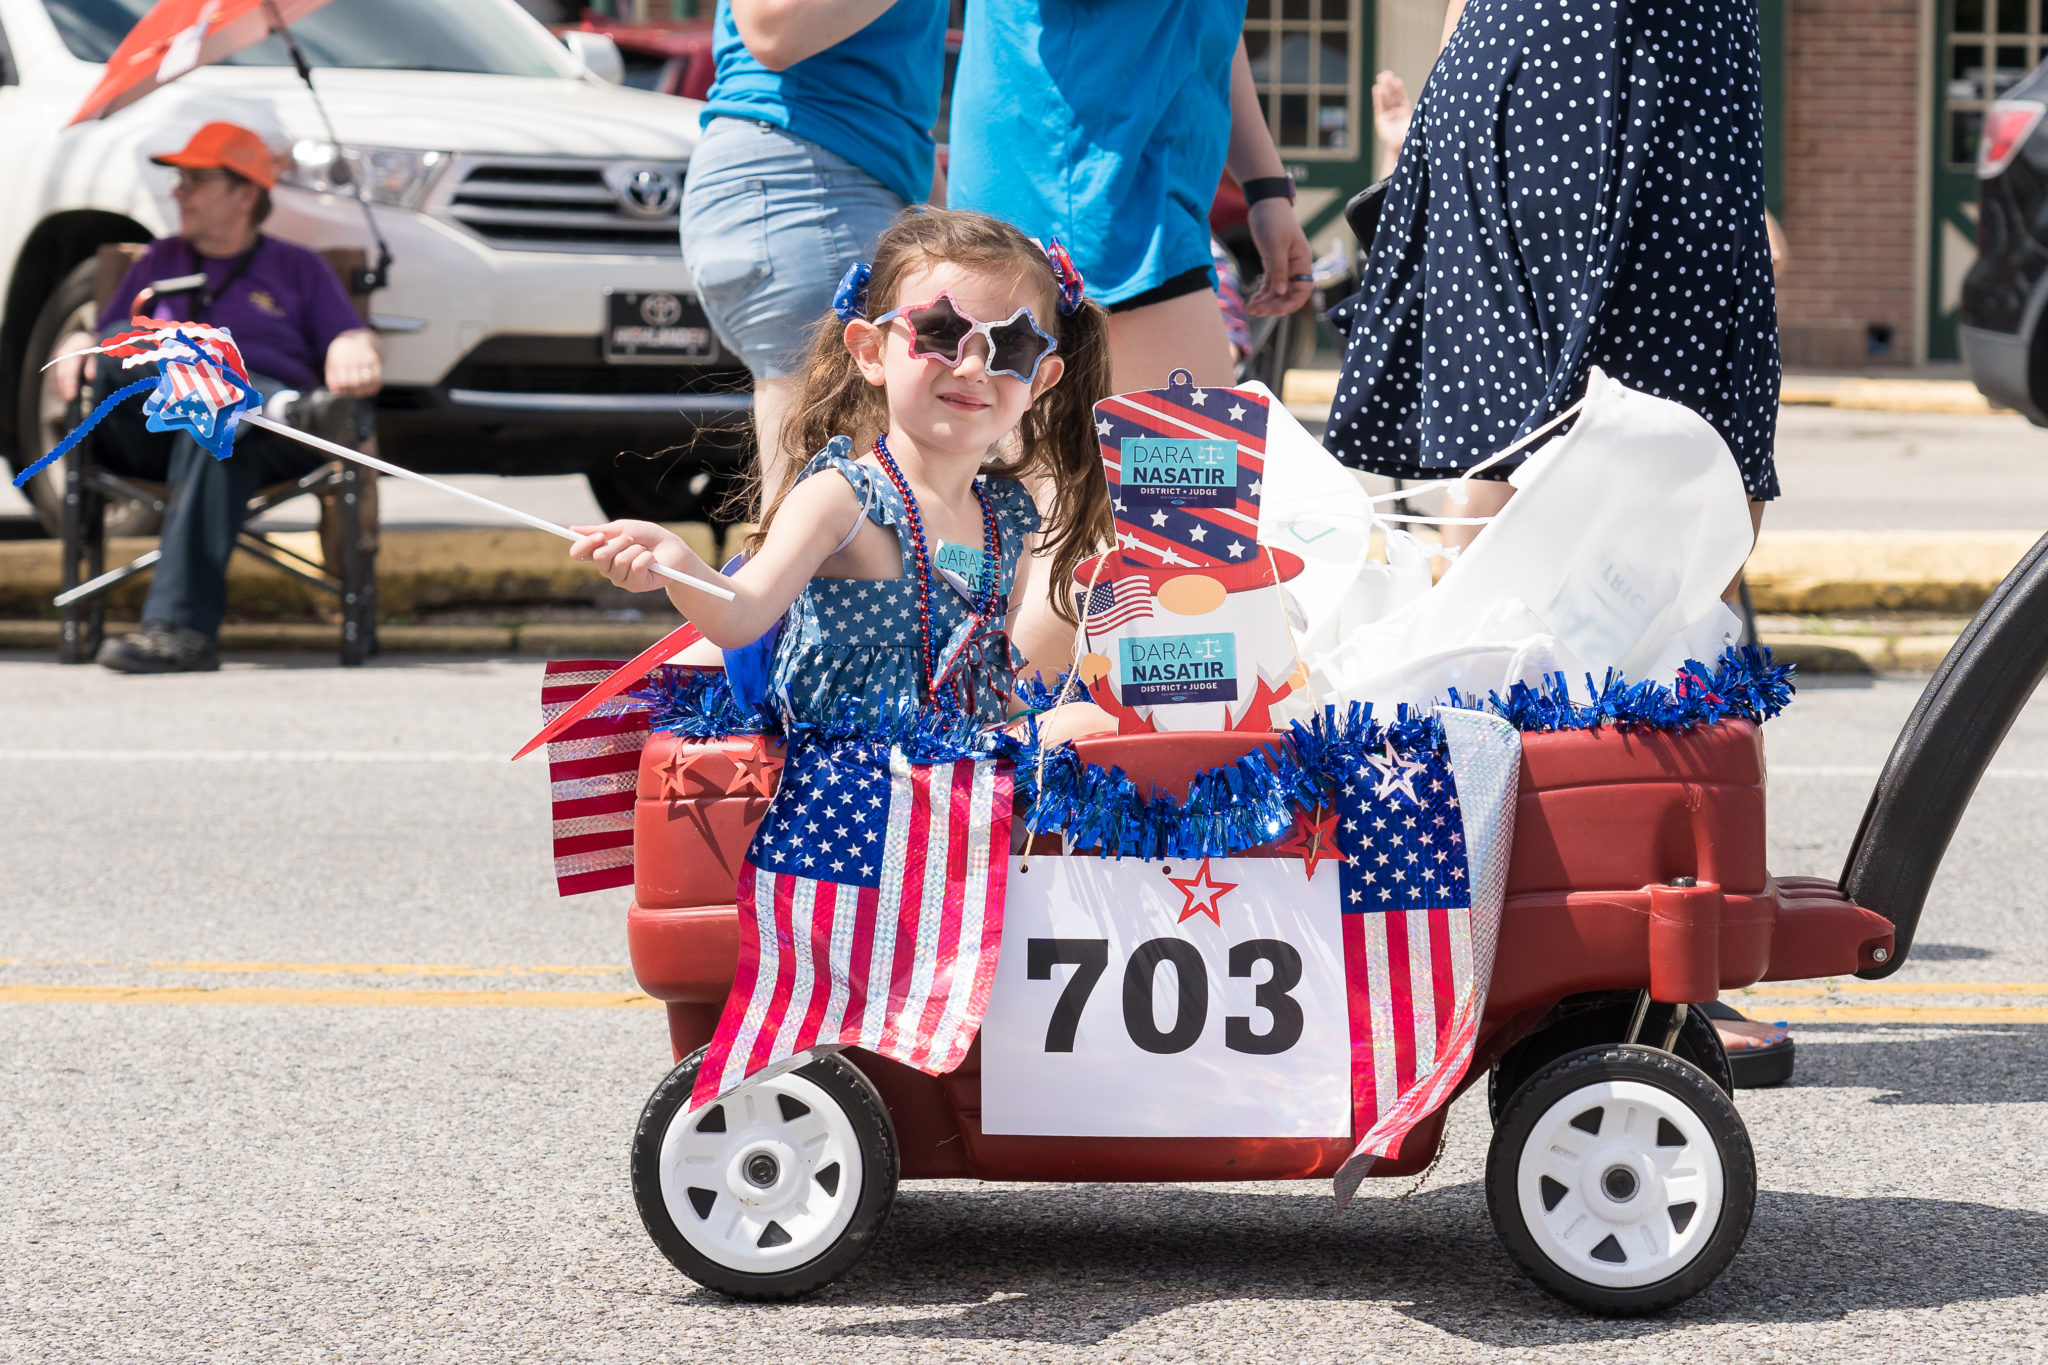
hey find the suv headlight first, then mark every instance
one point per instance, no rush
(390, 175)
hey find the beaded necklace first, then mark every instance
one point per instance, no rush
(991, 564)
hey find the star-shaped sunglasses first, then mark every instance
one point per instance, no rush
(939, 330)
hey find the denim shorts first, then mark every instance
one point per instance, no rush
(770, 223)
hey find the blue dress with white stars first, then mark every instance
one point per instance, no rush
(1582, 185)
(848, 659)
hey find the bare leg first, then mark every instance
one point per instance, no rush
(1148, 344)
(772, 401)
(1756, 526)
(1485, 498)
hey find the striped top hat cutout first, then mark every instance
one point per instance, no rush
(1185, 622)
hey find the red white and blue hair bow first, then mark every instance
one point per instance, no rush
(852, 299)
(1072, 287)
(201, 385)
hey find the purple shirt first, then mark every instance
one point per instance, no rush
(283, 310)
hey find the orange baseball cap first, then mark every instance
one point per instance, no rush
(228, 147)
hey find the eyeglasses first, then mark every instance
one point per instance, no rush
(939, 330)
(189, 179)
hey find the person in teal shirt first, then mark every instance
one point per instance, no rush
(817, 134)
(1107, 124)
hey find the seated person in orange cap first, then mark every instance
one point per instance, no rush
(297, 330)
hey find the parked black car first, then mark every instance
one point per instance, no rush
(2006, 292)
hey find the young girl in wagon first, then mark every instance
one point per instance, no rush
(891, 557)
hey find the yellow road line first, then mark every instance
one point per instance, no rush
(385, 969)
(1910, 1014)
(1957, 988)
(25, 994)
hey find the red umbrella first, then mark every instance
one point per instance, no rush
(178, 35)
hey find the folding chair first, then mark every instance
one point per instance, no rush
(348, 511)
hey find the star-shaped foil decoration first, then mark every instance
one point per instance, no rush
(1396, 774)
(1315, 839)
(1202, 892)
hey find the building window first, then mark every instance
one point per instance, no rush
(1992, 45)
(1304, 56)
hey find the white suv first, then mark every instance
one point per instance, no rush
(537, 316)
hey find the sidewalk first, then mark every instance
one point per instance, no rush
(1930, 389)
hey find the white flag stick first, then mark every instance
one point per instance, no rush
(538, 523)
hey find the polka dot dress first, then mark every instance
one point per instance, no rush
(1582, 185)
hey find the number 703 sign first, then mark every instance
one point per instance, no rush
(1138, 999)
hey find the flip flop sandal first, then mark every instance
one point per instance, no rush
(1759, 1054)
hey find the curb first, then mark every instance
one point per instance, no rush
(1860, 654)
(1824, 572)
(1793, 572)
(1833, 654)
(544, 640)
(1955, 397)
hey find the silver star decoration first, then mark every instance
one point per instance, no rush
(1237, 412)
(1198, 397)
(1236, 549)
(1198, 534)
(1397, 774)
(1102, 428)
(1159, 518)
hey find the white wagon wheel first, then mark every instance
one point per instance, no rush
(1621, 1179)
(774, 1191)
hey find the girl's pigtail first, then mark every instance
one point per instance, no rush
(1058, 437)
(835, 401)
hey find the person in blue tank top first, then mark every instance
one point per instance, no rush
(1107, 124)
(817, 133)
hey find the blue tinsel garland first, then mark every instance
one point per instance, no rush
(1253, 801)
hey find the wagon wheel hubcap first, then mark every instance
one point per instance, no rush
(764, 1180)
(1620, 1184)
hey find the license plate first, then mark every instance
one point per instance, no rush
(655, 327)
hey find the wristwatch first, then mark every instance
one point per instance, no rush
(1268, 187)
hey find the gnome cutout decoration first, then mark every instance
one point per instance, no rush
(1185, 623)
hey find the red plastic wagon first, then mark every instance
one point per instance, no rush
(1620, 1177)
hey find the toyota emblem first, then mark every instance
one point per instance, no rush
(660, 310)
(645, 191)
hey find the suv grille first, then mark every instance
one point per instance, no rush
(551, 204)
(554, 364)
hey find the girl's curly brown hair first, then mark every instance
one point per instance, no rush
(1056, 440)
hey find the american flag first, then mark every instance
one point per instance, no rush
(1115, 604)
(871, 908)
(593, 767)
(1420, 893)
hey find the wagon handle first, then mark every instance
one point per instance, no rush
(1951, 737)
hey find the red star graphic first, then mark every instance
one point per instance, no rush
(1314, 838)
(677, 766)
(1202, 893)
(753, 768)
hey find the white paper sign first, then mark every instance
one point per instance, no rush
(1137, 999)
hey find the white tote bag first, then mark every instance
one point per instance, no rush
(1614, 552)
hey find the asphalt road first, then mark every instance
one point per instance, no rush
(362, 1176)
